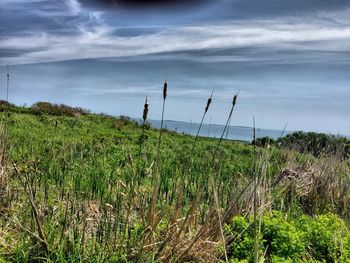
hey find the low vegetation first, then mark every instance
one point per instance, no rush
(75, 187)
(319, 238)
(316, 144)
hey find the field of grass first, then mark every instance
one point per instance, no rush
(94, 188)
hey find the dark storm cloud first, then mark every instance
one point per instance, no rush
(277, 7)
(106, 4)
(241, 7)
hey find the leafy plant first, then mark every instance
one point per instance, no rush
(323, 237)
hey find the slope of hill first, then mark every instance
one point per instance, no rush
(83, 187)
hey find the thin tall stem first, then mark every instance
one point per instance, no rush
(284, 129)
(227, 122)
(160, 135)
(141, 143)
(8, 83)
(200, 125)
(256, 251)
(155, 167)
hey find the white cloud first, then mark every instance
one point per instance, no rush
(99, 40)
(74, 6)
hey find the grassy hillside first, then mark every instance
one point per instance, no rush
(81, 187)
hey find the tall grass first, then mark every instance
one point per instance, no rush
(76, 194)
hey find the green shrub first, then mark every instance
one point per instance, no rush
(328, 238)
(316, 143)
(325, 238)
(242, 231)
(58, 109)
(264, 142)
(4, 105)
(282, 238)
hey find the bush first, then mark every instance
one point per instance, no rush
(282, 238)
(122, 122)
(328, 237)
(242, 232)
(58, 109)
(324, 238)
(4, 105)
(316, 143)
(264, 142)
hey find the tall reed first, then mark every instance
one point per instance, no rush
(156, 165)
(234, 101)
(201, 123)
(174, 237)
(152, 216)
(7, 83)
(142, 139)
(211, 214)
(256, 248)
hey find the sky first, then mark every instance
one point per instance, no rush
(289, 60)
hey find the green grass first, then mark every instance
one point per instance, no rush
(92, 190)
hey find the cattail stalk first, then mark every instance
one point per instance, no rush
(144, 118)
(229, 122)
(256, 251)
(165, 92)
(234, 101)
(201, 123)
(211, 213)
(182, 186)
(136, 174)
(155, 167)
(213, 185)
(151, 214)
(7, 83)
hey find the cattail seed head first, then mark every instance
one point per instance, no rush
(208, 104)
(234, 99)
(145, 111)
(209, 101)
(165, 90)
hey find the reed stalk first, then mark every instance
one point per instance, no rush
(156, 164)
(152, 220)
(201, 123)
(256, 251)
(234, 101)
(141, 142)
(7, 83)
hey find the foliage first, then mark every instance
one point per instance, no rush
(328, 238)
(264, 142)
(323, 237)
(92, 179)
(58, 109)
(91, 161)
(316, 143)
(4, 105)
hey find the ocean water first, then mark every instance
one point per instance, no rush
(239, 133)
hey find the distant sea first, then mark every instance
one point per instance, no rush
(239, 133)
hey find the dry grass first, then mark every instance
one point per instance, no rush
(320, 185)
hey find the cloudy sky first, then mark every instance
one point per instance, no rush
(290, 59)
